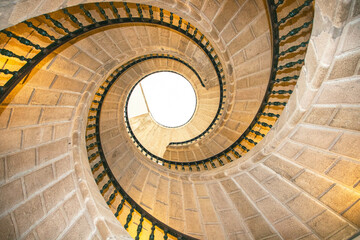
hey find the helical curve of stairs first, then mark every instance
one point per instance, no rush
(272, 151)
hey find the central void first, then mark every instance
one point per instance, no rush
(167, 96)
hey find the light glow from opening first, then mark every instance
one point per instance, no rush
(169, 97)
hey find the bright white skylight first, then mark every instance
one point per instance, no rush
(170, 98)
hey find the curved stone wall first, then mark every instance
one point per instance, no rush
(302, 181)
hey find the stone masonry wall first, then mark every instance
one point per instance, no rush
(306, 169)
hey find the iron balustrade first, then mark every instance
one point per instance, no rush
(264, 120)
(284, 73)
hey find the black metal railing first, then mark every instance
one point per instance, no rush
(289, 43)
(17, 64)
(123, 206)
(135, 13)
(286, 64)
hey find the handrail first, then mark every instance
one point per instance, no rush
(257, 129)
(267, 115)
(264, 119)
(95, 152)
(29, 63)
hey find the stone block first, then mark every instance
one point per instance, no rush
(189, 197)
(307, 179)
(340, 198)
(64, 83)
(214, 232)
(2, 170)
(63, 67)
(340, 92)
(83, 75)
(246, 14)
(265, 60)
(237, 236)
(348, 145)
(344, 233)
(28, 214)
(345, 171)
(80, 229)
(45, 97)
(69, 99)
(87, 61)
(319, 115)
(226, 13)
(37, 135)
(11, 194)
(272, 209)
(257, 79)
(52, 226)
(218, 196)
(326, 223)
(38, 179)
(20, 162)
(135, 193)
(56, 193)
(228, 33)
(316, 160)
(192, 221)
(227, 218)
(67, 51)
(56, 114)
(161, 211)
(252, 188)
(290, 149)
(249, 67)
(19, 95)
(23, 116)
(347, 118)
(244, 38)
(283, 167)
(248, 93)
(229, 185)
(4, 117)
(140, 178)
(321, 138)
(207, 210)
(177, 223)
(52, 150)
(353, 214)
(260, 25)
(162, 193)
(63, 166)
(46, 7)
(175, 187)
(305, 207)
(281, 189)
(239, 58)
(176, 206)
(40, 78)
(344, 66)
(291, 228)
(351, 36)
(72, 207)
(197, 3)
(7, 228)
(201, 190)
(260, 172)
(148, 196)
(261, 5)
(259, 228)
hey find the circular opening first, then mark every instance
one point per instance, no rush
(167, 96)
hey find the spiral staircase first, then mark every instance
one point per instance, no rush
(271, 152)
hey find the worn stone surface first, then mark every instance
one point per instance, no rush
(39, 121)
